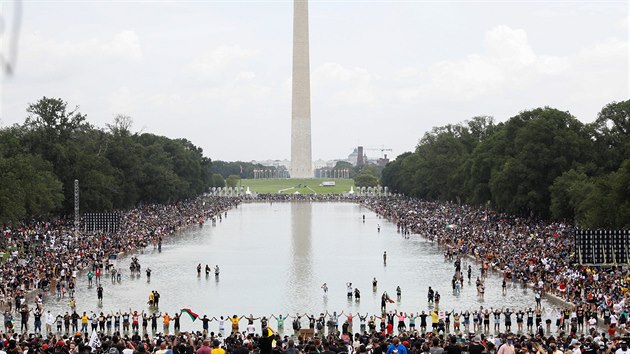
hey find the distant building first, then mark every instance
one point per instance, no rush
(360, 156)
(319, 163)
(323, 168)
(354, 157)
(382, 161)
(276, 163)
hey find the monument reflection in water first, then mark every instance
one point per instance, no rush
(300, 272)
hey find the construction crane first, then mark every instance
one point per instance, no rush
(382, 149)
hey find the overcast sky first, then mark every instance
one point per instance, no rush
(382, 72)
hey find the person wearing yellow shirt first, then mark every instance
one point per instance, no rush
(235, 320)
(151, 298)
(84, 322)
(216, 348)
(435, 317)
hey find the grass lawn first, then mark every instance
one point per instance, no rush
(292, 185)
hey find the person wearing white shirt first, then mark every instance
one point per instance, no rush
(623, 349)
(592, 323)
(613, 320)
(575, 346)
(251, 329)
(50, 320)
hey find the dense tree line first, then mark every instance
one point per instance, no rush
(366, 175)
(242, 169)
(40, 159)
(542, 162)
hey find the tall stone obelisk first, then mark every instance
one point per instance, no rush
(301, 165)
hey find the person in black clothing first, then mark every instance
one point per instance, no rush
(66, 322)
(205, 320)
(38, 321)
(453, 347)
(74, 318)
(176, 325)
(264, 343)
(239, 349)
(311, 321)
(296, 324)
(327, 348)
(475, 347)
(377, 348)
(423, 321)
(145, 322)
(154, 318)
(24, 312)
(416, 348)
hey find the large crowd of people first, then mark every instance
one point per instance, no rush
(50, 255)
(268, 197)
(525, 249)
(334, 340)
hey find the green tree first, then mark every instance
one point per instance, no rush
(512, 165)
(52, 131)
(344, 165)
(225, 168)
(366, 179)
(602, 201)
(568, 192)
(28, 188)
(115, 167)
(395, 176)
(232, 180)
(52, 117)
(538, 146)
(125, 154)
(612, 135)
(217, 180)
(368, 168)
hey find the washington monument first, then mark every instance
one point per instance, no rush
(301, 166)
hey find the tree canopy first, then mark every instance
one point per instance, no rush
(241, 169)
(541, 162)
(40, 159)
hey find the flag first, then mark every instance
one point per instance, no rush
(94, 341)
(193, 316)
